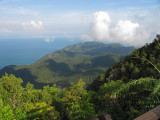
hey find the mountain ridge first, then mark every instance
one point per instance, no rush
(70, 64)
(140, 63)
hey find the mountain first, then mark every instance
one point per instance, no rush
(141, 63)
(80, 61)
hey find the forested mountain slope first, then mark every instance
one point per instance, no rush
(130, 87)
(122, 91)
(134, 66)
(81, 61)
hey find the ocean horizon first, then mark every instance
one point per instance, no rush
(27, 51)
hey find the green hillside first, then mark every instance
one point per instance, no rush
(81, 61)
(126, 90)
(131, 87)
(134, 66)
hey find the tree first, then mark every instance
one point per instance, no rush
(137, 95)
(77, 102)
(41, 111)
(11, 90)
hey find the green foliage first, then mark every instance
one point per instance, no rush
(139, 96)
(77, 102)
(140, 84)
(49, 103)
(81, 110)
(137, 92)
(127, 100)
(11, 90)
(41, 111)
(125, 91)
(1, 103)
(143, 62)
(6, 113)
(81, 61)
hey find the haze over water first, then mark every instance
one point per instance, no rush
(27, 51)
(128, 22)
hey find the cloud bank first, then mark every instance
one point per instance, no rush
(49, 40)
(33, 25)
(125, 31)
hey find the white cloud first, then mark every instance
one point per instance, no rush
(124, 31)
(126, 27)
(33, 25)
(129, 33)
(100, 26)
(49, 40)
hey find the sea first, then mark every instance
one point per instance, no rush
(27, 51)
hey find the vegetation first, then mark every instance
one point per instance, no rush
(81, 61)
(141, 63)
(49, 103)
(131, 87)
(125, 91)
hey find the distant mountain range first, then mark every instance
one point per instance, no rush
(63, 67)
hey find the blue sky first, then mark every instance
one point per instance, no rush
(132, 22)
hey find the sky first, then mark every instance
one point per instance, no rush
(130, 22)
